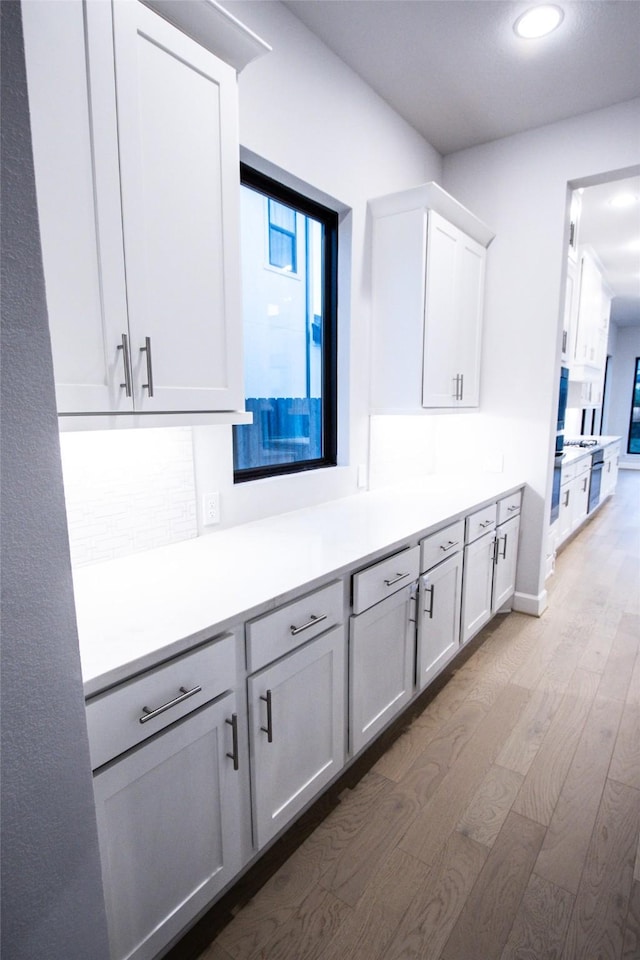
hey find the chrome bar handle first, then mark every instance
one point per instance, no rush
(269, 727)
(456, 380)
(514, 506)
(148, 714)
(147, 349)
(126, 360)
(485, 523)
(398, 576)
(566, 499)
(233, 723)
(449, 545)
(305, 626)
(503, 555)
(431, 588)
(461, 397)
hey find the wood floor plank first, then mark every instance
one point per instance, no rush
(366, 932)
(633, 693)
(542, 785)
(438, 818)
(598, 920)
(349, 875)
(304, 934)
(540, 926)
(527, 735)
(616, 675)
(631, 943)
(436, 904)
(625, 762)
(490, 805)
(486, 919)
(567, 840)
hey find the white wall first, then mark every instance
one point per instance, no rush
(624, 347)
(302, 111)
(518, 185)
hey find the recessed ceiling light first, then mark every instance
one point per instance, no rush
(538, 21)
(623, 200)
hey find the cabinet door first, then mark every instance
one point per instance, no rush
(381, 665)
(438, 617)
(477, 584)
(296, 721)
(70, 75)
(565, 511)
(580, 494)
(178, 139)
(506, 556)
(453, 316)
(170, 829)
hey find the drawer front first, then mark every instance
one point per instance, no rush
(480, 522)
(582, 467)
(275, 634)
(509, 506)
(133, 711)
(568, 472)
(441, 545)
(384, 578)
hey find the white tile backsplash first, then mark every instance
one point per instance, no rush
(127, 491)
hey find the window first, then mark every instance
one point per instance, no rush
(633, 443)
(290, 360)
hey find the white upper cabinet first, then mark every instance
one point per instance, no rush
(429, 256)
(136, 155)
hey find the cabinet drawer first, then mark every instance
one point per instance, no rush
(582, 467)
(120, 718)
(568, 472)
(384, 578)
(480, 522)
(271, 636)
(441, 545)
(509, 506)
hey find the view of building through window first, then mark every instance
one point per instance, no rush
(633, 445)
(288, 271)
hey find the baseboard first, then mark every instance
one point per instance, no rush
(534, 606)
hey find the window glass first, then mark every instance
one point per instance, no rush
(289, 318)
(633, 445)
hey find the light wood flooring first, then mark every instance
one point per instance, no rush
(503, 823)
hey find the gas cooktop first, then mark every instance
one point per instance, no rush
(581, 443)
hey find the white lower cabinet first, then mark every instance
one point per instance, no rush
(170, 828)
(296, 730)
(610, 471)
(477, 585)
(381, 656)
(506, 556)
(440, 597)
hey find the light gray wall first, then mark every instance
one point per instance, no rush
(52, 902)
(519, 186)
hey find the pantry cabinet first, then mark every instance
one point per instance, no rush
(170, 794)
(136, 158)
(296, 729)
(429, 256)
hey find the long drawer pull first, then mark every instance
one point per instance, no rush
(233, 723)
(485, 523)
(305, 626)
(396, 579)
(449, 545)
(269, 727)
(148, 714)
(514, 506)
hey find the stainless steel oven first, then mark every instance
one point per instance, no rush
(597, 465)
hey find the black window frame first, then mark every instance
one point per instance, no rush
(254, 179)
(636, 373)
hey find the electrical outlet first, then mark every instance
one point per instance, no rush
(211, 509)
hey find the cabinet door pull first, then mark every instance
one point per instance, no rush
(398, 576)
(126, 360)
(461, 397)
(148, 714)
(503, 555)
(449, 544)
(431, 588)
(269, 727)
(305, 626)
(566, 498)
(147, 349)
(233, 723)
(584, 484)
(456, 380)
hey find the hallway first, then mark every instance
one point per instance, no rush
(503, 824)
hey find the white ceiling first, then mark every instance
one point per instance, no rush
(456, 71)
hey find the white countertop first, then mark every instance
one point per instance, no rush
(135, 612)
